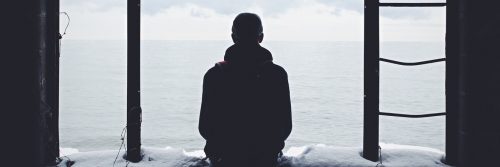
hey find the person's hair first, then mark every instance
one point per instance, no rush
(246, 27)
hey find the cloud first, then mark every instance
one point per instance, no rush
(220, 6)
(355, 5)
(94, 5)
(267, 7)
(309, 20)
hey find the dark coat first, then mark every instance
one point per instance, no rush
(245, 107)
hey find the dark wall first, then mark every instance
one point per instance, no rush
(25, 44)
(479, 51)
(19, 81)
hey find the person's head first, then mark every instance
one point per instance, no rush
(247, 28)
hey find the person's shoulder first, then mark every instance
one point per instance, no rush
(214, 70)
(278, 69)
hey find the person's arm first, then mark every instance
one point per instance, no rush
(204, 125)
(286, 107)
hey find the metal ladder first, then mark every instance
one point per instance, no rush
(371, 76)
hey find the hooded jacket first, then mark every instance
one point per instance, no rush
(246, 108)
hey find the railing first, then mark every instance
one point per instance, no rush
(412, 116)
(412, 63)
(412, 4)
(372, 81)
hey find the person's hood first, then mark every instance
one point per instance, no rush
(247, 54)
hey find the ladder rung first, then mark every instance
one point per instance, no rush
(412, 116)
(412, 63)
(412, 4)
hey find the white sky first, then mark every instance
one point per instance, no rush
(296, 20)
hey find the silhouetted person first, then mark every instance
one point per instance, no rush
(245, 113)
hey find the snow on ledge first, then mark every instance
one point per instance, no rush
(306, 156)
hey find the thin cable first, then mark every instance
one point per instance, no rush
(64, 33)
(124, 131)
(67, 24)
(125, 148)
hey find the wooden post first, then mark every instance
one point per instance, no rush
(452, 83)
(479, 89)
(371, 81)
(47, 142)
(133, 81)
(29, 82)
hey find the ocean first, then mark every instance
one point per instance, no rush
(326, 86)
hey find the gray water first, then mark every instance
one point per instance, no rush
(326, 84)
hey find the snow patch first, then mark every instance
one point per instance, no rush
(318, 155)
(67, 151)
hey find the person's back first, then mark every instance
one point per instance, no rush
(245, 115)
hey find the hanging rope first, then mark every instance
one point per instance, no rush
(64, 33)
(67, 25)
(123, 135)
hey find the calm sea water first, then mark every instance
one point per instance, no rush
(326, 84)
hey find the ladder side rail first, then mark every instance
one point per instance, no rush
(371, 80)
(412, 63)
(412, 115)
(412, 4)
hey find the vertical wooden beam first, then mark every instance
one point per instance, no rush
(54, 71)
(30, 40)
(47, 143)
(133, 81)
(371, 81)
(479, 39)
(452, 82)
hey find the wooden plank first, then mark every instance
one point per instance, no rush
(412, 4)
(133, 81)
(371, 81)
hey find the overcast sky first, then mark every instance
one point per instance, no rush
(303, 20)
